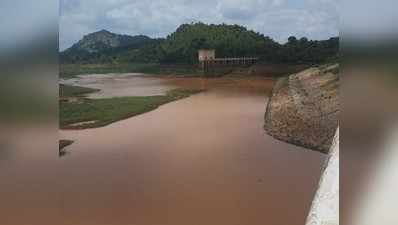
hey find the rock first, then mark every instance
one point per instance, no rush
(303, 109)
(62, 145)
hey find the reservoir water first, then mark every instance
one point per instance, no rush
(202, 160)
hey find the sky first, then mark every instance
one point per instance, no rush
(278, 19)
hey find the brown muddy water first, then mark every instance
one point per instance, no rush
(118, 85)
(202, 160)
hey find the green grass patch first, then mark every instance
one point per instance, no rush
(282, 82)
(66, 91)
(91, 113)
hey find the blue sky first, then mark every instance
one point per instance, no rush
(279, 19)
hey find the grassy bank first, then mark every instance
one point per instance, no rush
(71, 70)
(66, 91)
(91, 113)
(259, 69)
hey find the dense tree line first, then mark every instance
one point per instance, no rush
(305, 51)
(228, 40)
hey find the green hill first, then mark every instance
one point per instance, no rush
(181, 47)
(228, 40)
(101, 46)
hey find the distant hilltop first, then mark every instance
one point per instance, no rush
(182, 46)
(103, 39)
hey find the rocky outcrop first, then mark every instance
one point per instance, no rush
(102, 47)
(304, 107)
(104, 39)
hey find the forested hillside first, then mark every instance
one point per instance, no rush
(182, 45)
(228, 40)
(102, 47)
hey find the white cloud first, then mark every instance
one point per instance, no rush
(278, 19)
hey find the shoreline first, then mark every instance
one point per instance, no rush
(94, 113)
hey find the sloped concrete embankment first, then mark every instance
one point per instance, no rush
(325, 206)
(304, 107)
